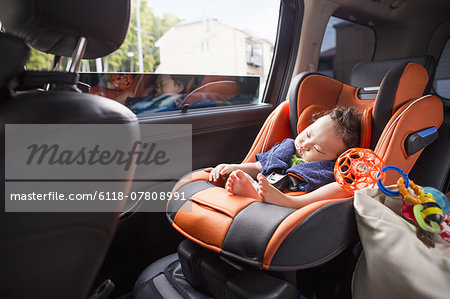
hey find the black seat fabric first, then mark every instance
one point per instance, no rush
(56, 255)
(197, 273)
(54, 26)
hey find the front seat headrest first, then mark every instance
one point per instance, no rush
(371, 73)
(55, 26)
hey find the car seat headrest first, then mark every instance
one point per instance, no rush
(370, 74)
(55, 26)
(13, 56)
(365, 117)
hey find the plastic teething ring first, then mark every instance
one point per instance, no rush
(405, 181)
(439, 197)
(121, 82)
(434, 228)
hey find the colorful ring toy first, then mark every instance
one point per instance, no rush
(419, 196)
(439, 197)
(421, 220)
(386, 190)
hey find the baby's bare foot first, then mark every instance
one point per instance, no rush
(269, 193)
(239, 184)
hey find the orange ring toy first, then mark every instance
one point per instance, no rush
(121, 82)
(358, 168)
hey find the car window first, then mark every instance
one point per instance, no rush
(442, 77)
(201, 51)
(344, 45)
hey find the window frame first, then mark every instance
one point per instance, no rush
(285, 51)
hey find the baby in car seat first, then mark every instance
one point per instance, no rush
(308, 162)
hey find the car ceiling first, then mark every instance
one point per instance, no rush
(373, 12)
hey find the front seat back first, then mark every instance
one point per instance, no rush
(371, 73)
(56, 255)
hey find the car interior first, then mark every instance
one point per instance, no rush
(215, 244)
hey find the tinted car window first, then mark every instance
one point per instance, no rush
(344, 45)
(442, 77)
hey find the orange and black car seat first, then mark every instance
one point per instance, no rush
(253, 233)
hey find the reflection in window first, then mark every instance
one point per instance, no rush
(150, 93)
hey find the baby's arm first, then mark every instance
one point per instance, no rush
(272, 195)
(222, 170)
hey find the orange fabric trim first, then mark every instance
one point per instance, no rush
(200, 223)
(213, 78)
(105, 92)
(288, 225)
(411, 85)
(276, 128)
(211, 215)
(391, 148)
(318, 88)
(222, 201)
(349, 98)
(208, 246)
(366, 128)
(219, 91)
(305, 118)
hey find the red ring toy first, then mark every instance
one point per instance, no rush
(121, 82)
(358, 168)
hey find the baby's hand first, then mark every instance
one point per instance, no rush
(128, 94)
(122, 98)
(220, 170)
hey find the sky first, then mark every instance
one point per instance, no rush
(257, 16)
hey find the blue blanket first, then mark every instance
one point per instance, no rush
(278, 159)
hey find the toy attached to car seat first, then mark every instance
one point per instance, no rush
(121, 82)
(428, 208)
(358, 168)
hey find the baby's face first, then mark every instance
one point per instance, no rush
(166, 85)
(319, 141)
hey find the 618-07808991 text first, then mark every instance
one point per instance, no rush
(97, 195)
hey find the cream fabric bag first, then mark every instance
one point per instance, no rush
(395, 263)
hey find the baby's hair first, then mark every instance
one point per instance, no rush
(182, 80)
(347, 123)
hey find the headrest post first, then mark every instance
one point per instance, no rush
(77, 55)
(56, 63)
